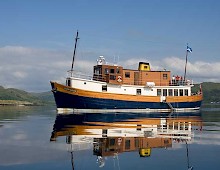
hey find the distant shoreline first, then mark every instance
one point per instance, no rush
(15, 103)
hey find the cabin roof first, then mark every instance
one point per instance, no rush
(148, 71)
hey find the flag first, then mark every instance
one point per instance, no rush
(189, 49)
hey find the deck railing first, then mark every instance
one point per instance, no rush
(81, 75)
(157, 82)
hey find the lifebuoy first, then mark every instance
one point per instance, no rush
(119, 141)
(119, 79)
(188, 82)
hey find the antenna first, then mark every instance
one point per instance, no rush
(74, 53)
(116, 59)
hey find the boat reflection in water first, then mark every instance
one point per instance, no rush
(112, 134)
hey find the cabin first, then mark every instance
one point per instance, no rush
(111, 145)
(117, 75)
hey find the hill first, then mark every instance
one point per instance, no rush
(211, 92)
(12, 96)
(46, 97)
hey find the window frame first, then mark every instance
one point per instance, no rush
(112, 71)
(186, 92)
(112, 77)
(164, 92)
(165, 76)
(104, 88)
(138, 91)
(181, 92)
(170, 92)
(159, 92)
(127, 74)
(176, 92)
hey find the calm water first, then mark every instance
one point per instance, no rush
(38, 138)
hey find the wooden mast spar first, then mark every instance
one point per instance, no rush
(74, 53)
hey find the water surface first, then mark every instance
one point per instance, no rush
(38, 138)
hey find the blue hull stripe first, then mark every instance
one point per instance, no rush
(64, 100)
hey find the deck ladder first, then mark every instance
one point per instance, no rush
(171, 107)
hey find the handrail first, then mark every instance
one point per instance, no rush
(99, 77)
(76, 74)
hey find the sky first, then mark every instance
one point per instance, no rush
(37, 38)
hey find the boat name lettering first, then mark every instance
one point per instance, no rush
(68, 89)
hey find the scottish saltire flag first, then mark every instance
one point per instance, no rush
(189, 49)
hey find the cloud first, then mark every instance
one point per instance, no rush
(200, 71)
(20, 74)
(20, 136)
(31, 69)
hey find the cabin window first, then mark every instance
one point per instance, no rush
(145, 67)
(165, 76)
(104, 131)
(171, 126)
(104, 87)
(112, 142)
(164, 92)
(170, 92)
(68, 83)
(112, 77)
(112, 70)
(97, 70)
(175, 92)
(127, 144)
(138, 92)
(186, 92)
(182, 126)
(136, 143)
(106, 71)
(176, 126)
(158, 92)
(127, 74)
(166, 141)
(139, 127)
(117, 70)
(181, 92)
(187, 126)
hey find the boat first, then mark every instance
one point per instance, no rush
(112, 87)
(110, 135)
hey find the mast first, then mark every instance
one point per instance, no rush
(188, 50)
(187, 154)
(74, 53)
(72, 161)
(184, 79)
